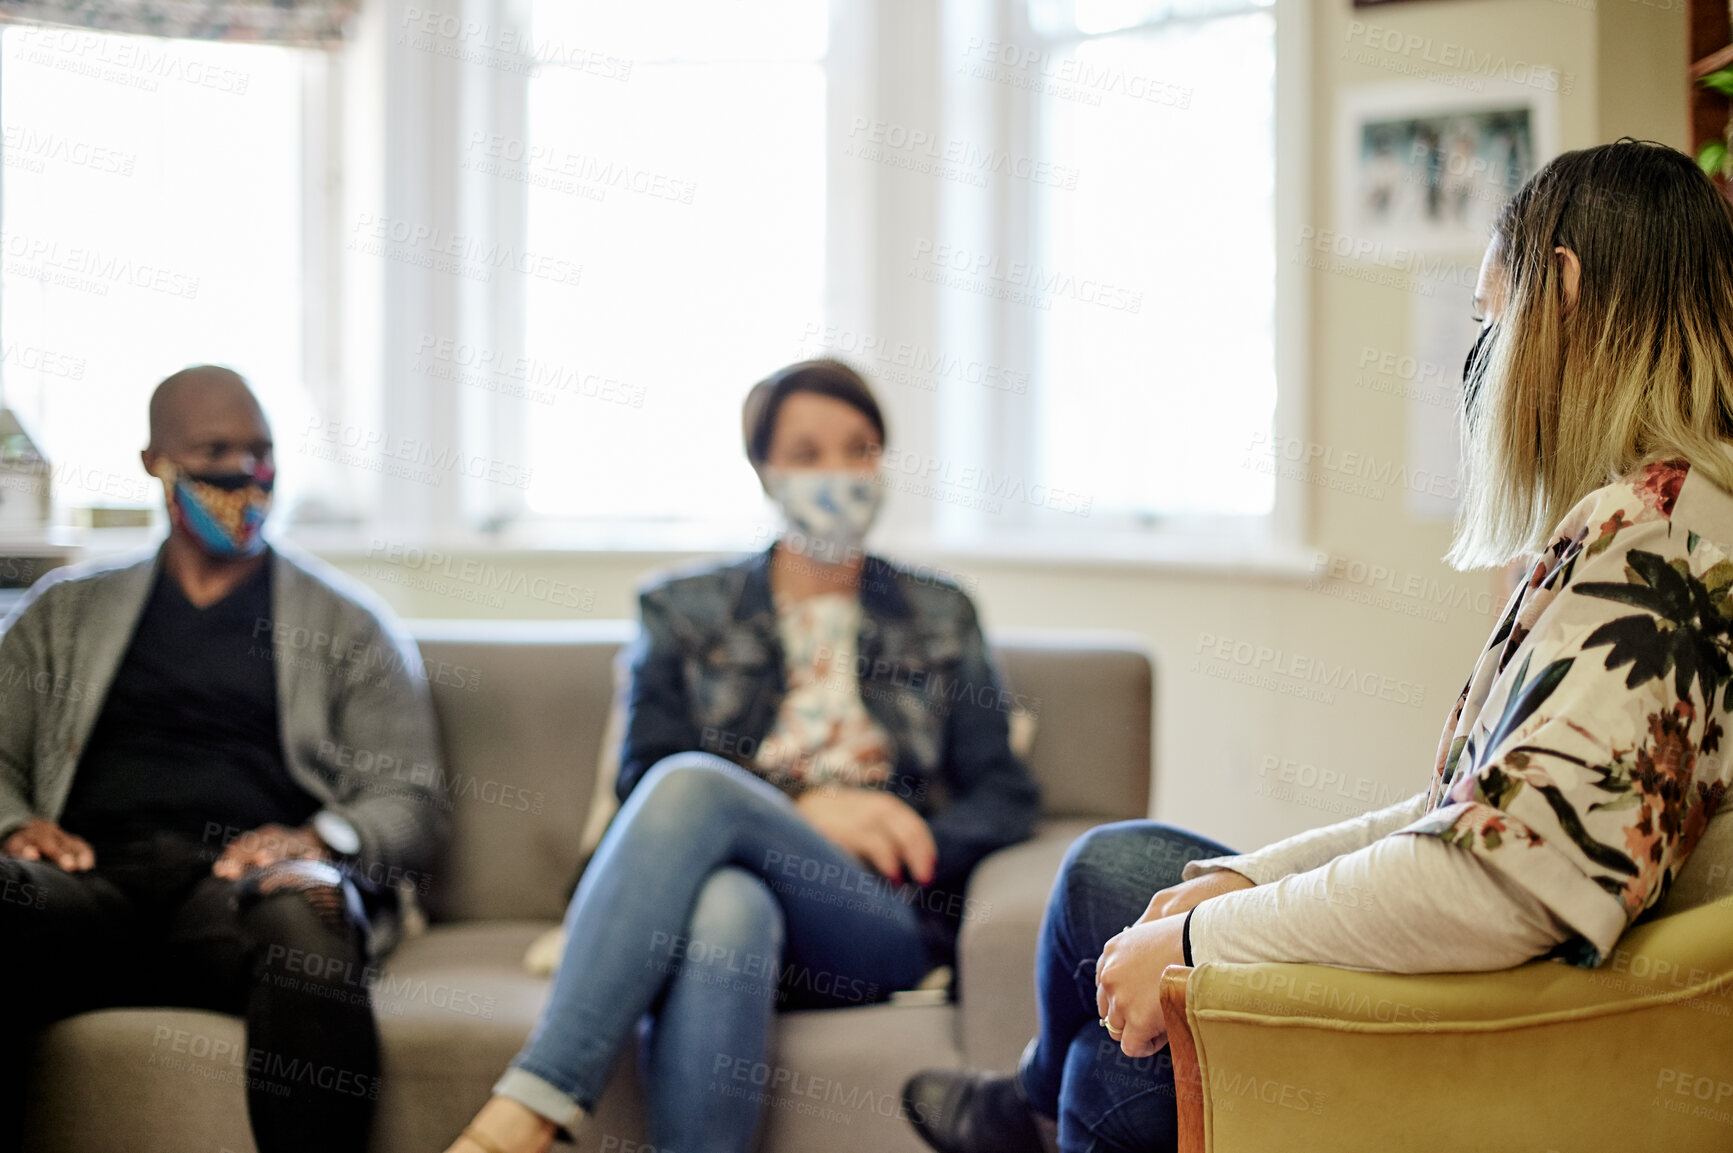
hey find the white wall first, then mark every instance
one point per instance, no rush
(1620, 65)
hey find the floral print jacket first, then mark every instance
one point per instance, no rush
(1585, 755)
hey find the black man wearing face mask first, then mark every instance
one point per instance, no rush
(174, 795)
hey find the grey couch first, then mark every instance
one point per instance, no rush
(455, 1003)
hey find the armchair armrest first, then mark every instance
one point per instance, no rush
(1633, 1055)
(1006, 898)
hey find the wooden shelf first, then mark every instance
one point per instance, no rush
(1712, 63)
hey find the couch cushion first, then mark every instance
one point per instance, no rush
(1091, 694)
(520, 751)
(139, 1079)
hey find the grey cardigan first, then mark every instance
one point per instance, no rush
(355, 713)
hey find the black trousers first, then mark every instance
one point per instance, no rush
(149, 925)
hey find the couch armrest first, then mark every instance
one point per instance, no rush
(1007, 896)
(1632, 1055)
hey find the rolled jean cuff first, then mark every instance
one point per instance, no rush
(541, 1098)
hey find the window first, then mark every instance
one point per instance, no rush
(1044, 229)
(694, 195)
(1174, 211)
(152, 220)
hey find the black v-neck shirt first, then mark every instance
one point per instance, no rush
(188, 740)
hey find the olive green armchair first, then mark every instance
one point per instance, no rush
(1634, 1055)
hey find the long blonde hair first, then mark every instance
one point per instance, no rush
(1563, 402)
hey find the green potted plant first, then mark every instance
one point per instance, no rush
(1716, 156)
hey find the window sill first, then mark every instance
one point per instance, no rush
(1187, 556)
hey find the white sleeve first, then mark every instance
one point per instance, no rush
(1314, 847)
(1401, 905)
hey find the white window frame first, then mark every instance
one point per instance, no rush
(994, 429)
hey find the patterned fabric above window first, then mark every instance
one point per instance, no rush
(317, 23)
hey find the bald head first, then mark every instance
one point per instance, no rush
(195, 397)
(206, 419)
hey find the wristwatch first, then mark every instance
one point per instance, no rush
(337, 833)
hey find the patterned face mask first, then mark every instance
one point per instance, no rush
(828, 513)
(224, 512)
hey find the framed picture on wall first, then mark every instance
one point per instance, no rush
(1425, 167)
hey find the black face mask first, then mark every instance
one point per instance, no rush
(1474, 370)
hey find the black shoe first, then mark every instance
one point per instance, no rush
(961, 1111)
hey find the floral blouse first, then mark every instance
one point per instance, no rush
(823, 734)
(1585, 755)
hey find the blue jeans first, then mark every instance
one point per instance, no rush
(1103, 1099)
(710, 900)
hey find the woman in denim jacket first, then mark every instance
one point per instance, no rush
(816, 756)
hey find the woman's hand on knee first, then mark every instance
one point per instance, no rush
(1128, 983)
(880, 829)
(1188, 895)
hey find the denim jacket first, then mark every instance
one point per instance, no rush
(707, 674)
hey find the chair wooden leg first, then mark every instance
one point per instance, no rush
(1188, 1085)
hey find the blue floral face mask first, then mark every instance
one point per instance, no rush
(223, 512)
(828, 513)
